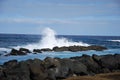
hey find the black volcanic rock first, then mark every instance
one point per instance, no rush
(37, 71)
(24, 50)
(79, 48)
(37, 50)
(58, 49)
(17, 52)
(46, 49)
(16, 71)
(57, 69)
(97, 48)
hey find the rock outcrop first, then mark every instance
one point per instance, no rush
(24, 51)
(57, 69)
(21, 51)
(79, 48)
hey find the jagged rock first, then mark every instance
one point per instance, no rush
(37, 71)
(110, 62)
(37, 51)
(97, 48)
(89, 62)
(76, 48)
(79, 48)
(57, 69)
(17, 52)
(18, 71)
(24, 50)
(46, 49)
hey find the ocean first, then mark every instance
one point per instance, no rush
(9, 41)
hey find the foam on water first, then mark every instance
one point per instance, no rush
(49, 40)
(115, 40)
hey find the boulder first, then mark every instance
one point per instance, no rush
(19, 71)
(46, 49)
(24, 50)
(79, 48)
(92, 66)
(17, 52)
(37, 51)
(58, 49)
(111, 62)
(75, 48)
(37, 71)
(97, 48)
(58, 69)
(2, 75)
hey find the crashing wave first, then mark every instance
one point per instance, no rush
(49, 40)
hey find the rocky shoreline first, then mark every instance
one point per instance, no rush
(24, 51)
(58, 69)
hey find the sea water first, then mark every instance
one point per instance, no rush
(50, 39)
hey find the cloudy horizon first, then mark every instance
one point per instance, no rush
(66, 17)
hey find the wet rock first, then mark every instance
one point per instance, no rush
(17, 52)
(76, 48)
(58, 49)
(79, 48)
(97, 48)
(24, 50)
(37, 51)
(46, 49)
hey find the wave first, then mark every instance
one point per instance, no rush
(5, 49)
(49, 40)
(115, 40)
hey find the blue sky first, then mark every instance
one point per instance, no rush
(68, 17)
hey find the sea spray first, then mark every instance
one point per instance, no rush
(49, 40)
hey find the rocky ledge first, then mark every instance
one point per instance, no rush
(23, 51)
(58, 69)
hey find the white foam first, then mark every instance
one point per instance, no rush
(115, 40)
(49, 40)
(5, 49)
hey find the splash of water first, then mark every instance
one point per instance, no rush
(49, 40)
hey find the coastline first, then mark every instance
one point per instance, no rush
(58, 69)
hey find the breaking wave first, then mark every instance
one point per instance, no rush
(49, 40)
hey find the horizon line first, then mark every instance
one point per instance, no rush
(61, 34)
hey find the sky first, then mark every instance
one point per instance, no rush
(66, 17)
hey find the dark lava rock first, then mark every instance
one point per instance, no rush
(46, 49)
(58, 69)
(60, 49)
(97, 48)
(79, 48)
(24, 50)
(110, 62)
(19, 71)
(17, 52)
(92, 66)
(11, 63)
(37, 71)
(37, 51)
